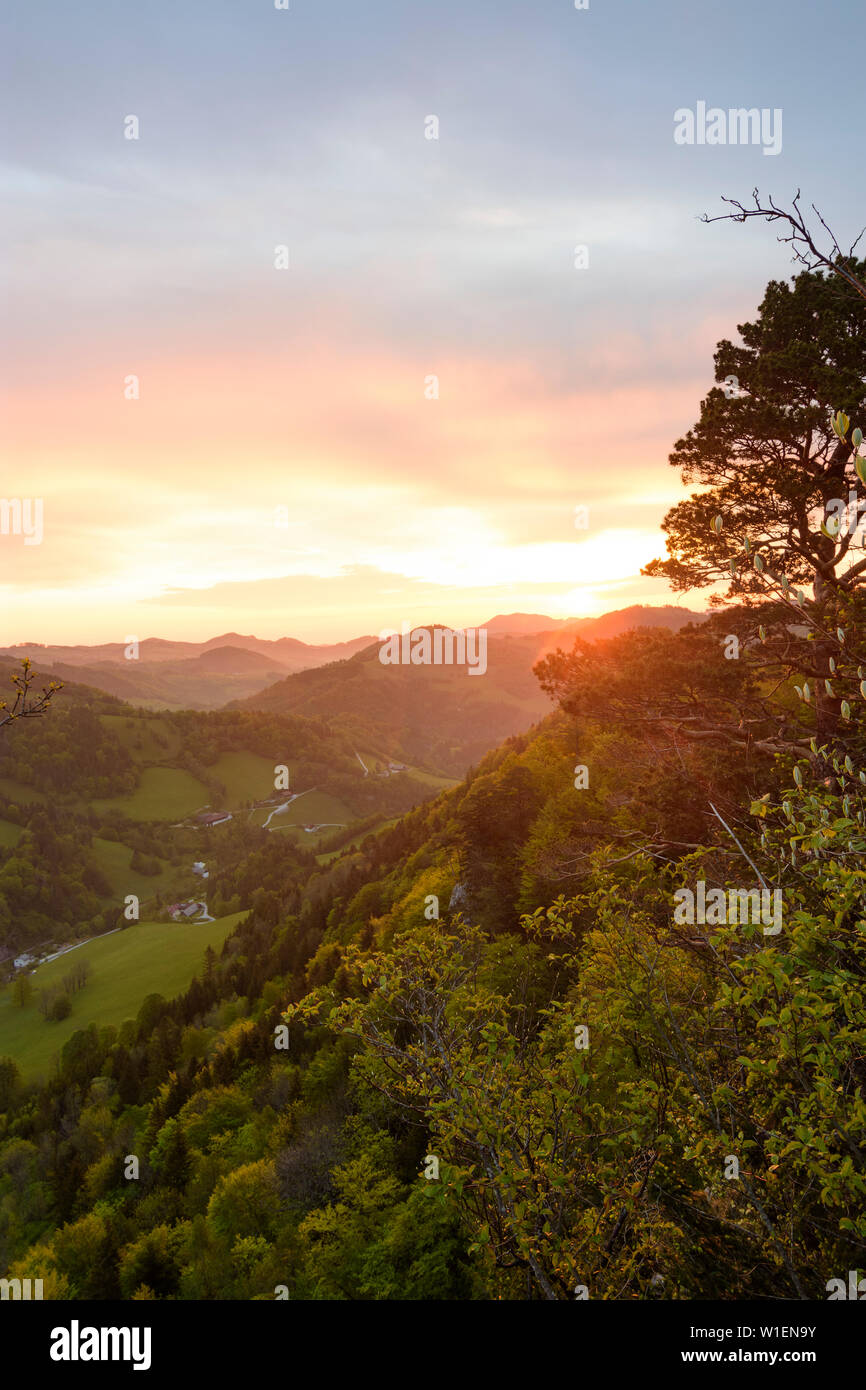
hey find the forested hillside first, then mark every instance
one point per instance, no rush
(436, 716)
(590, 1024)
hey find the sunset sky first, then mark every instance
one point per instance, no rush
(304, 389)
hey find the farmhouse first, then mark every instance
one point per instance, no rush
(209, 818)
(182, 912)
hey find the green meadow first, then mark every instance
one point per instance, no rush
(114, 858)
(430, 779)
(312, 808)
(245, 776)
(20, 794)
(9, 834)
(170, 793)
(126, 966)
(163, 793)
(355, 841)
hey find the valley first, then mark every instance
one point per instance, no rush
(160, 790)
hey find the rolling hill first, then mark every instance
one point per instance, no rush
(438, 717)
(182, 675)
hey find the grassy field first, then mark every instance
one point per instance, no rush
(163, 793)
(20, 794)
(126, 966)
(113, 859)
(310, 809)
(350, 844)
(245, 776)
(313, 808)
(9, 834)
(430, 779)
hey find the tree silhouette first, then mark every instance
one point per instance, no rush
(776, 454)
(27, 704)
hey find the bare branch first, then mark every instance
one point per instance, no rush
(800, 237)
(27, 705)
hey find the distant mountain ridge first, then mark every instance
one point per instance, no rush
(522, 624)
(190, 675)
(234, 667)
(607, 625)
(283, 651)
